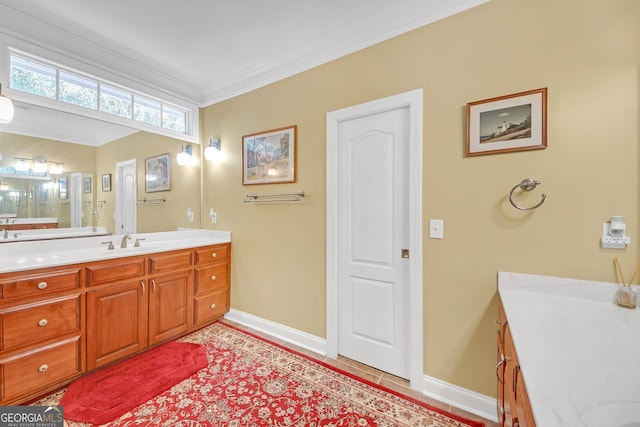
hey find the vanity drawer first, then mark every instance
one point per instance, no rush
(170, 261)
(117, 270)
(210, 306)
(39, 284)
(36, 323)
(211, 278)
(36, 370)
(210, 254)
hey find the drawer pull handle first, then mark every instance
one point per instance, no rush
(213, 255)
(43, 368)
(42, 285)
(213, 277)
(213, 306)
(43, 322)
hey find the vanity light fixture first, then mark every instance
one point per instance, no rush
(38, 165)
(212, 152)
(6, 109)
(185, 157)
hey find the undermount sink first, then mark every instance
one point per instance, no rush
(612, 414)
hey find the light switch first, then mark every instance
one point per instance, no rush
(436, 229)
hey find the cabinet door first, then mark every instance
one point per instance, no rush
(170, 305)
(501, 364)
(523, 410)
(116, 322)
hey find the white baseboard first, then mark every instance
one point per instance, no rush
(462, 398)
(293, 336)
(476, 403)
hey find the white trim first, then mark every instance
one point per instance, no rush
(412, 100)
(277, 330)
(462, 398)
(470, 401)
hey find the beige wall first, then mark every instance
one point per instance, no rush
(587, 53)
(185, 183)
(76, 158)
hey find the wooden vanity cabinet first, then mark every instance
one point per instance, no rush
(514, 409)
(42, 331)
(152, 305)
(212, 278)
(116, 322)
(60, 322)
(170, 295)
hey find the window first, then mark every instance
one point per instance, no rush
(32, 77)
(115, 101)
(78, 90)
(146, 110)
(174, 119)
(37, 77)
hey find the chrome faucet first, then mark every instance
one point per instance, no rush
(124, 240)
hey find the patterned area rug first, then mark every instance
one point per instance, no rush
(253, 382)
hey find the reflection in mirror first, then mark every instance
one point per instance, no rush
(41, 198)
(27, 194)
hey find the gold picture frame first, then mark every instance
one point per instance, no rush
(269, 157)
(157, 173)
(508, 123)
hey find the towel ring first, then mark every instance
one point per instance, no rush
(527, 185)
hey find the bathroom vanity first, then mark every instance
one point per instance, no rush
(70, 306)
(12, 223)
(567, 353)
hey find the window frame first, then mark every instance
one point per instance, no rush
(191, 112)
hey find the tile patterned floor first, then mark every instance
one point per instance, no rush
(378, 377)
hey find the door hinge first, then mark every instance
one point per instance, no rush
(405, 253)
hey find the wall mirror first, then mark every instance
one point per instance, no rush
(87, 149)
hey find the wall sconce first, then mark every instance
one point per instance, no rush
(38, 165)
(185, 157)
(6, 109)
(212, 152)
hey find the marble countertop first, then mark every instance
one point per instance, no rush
(13, 220)
(20, 256)
(52, 233)
(579, 351)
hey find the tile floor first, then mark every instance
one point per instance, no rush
(382, 378)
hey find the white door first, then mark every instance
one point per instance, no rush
(374, 234)
(126, 197)
(75, 200)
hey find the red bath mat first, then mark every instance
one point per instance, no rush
(106, 394)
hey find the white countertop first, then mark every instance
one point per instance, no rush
(13, 220)
(20, 256)
(51, 233)
(578, 350)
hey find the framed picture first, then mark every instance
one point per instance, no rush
(269, 157)
(87, 185)
(106, 182)
(157, 173)
(63, 184)
(508, 123)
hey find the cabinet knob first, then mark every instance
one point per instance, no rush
(43, 322)
(42, 285)
(43, 368)
(213, 306)
(213, 255)
(213, 277)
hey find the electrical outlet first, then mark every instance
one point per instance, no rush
(436, 229)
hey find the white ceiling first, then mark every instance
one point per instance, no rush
(205, 51)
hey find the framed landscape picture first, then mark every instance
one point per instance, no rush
(269, 157)
(508, 123)
(158, 173)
